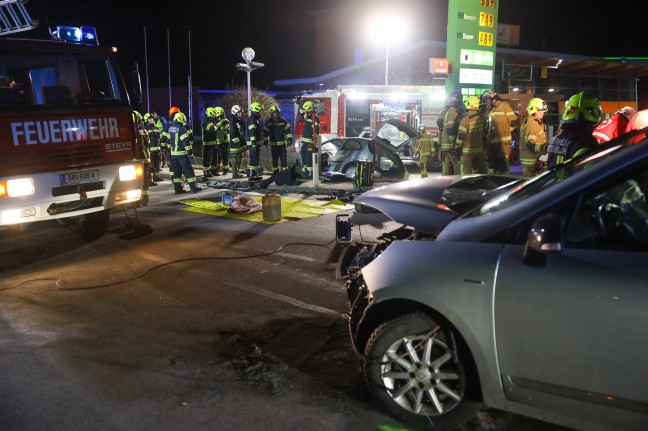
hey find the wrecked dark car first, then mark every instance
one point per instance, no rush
(530, 299)
(393, 151)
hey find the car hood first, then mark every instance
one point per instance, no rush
(421, 203)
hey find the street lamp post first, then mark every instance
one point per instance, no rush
(248, 67)
(386, 62)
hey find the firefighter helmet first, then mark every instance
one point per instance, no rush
(488, 94)
(274, 108)
(455, 98)
(256, 107)
(173, 110)
(308, 106)
(582, 106)
(180, 117)
(236, 109)
(210, 112)
(471, 102)
(147, 116)
(626, 111)
(218, 111)
(421, 127)
(536, 105)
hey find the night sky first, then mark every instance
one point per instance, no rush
(281, 31)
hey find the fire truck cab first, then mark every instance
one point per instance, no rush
(67, 136)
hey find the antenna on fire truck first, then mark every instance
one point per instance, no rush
(14, 17)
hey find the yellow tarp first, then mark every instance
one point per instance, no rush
(291, 209)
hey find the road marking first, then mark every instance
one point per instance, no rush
(296, 256)
(290, 300)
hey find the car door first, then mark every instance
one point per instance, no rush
(571, 332)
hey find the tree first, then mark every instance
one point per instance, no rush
(238, 96)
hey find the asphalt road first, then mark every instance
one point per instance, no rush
(192, 322)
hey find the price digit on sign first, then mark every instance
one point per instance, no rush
(486, 19)
(485, 38)
(488, 3)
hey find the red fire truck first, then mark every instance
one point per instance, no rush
(67, 137)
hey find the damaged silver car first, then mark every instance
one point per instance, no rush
(531, 299)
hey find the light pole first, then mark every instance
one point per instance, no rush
(386, 61)
(389, 29)
(248, 66)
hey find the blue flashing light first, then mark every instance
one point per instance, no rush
(86, 35)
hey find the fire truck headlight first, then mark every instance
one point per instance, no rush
(17, 187)
(131, 172)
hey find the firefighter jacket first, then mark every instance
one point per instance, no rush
(533, 135)
(254, 130)
(209, 131)
(571, 140)
(427, 144)
(222, 130)
(611, 128)
(143, 152)
(472, 132)
(161, 124)
(237, 135)
(307, 136)
(277, 131)
(502, 122)
(441, 117)
(179, 139)
(154, 136)
(450, 127)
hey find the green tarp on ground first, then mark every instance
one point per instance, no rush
(291, 209)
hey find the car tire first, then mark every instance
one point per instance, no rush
(426, 393)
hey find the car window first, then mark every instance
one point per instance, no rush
(351, 145)
(615, 217)
(395, 136)
(546, 180)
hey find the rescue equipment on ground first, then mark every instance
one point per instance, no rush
(271, 206)
(364, 173)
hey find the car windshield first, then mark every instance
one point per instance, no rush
(550, 178)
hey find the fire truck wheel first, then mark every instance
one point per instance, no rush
(94, 225)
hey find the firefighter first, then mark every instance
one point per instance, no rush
(143, 156)
(222, 140)
(209, 143)
(161, 125)
(426, 149)
(503, 121)
(311, 129)
(237, 143)
(533, 135)
(471, 138)
(253, 131)
(581, 114)
(154, 136)
(449, 154)
(278, 134)
(613, 126)
(179, 138)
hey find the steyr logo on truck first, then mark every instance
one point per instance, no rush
(61, 131)
(118, 146)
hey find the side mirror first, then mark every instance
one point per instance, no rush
(545, 236)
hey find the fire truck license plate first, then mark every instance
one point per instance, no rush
(79, 177)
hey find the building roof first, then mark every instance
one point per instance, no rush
(563, 64)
